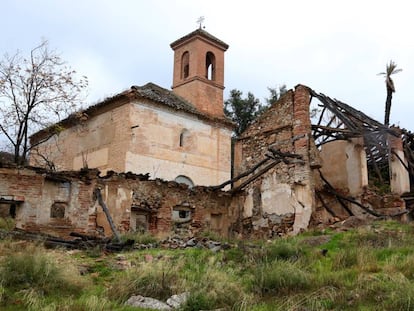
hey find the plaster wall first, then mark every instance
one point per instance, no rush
(344, 165)
(98, 142)
(203, 156)
(143, 138)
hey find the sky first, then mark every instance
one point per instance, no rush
(334, 47)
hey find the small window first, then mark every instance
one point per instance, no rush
(183, 214)
(184, 137)
(210, 66)
(185, 65)
(58, 210)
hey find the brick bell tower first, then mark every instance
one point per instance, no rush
(199, 71)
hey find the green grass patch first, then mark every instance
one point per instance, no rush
(370, 268)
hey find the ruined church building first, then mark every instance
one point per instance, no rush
(174, 135)
(163, 161)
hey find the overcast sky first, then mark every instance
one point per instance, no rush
(334, 47)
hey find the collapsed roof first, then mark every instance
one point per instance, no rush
(334, 120)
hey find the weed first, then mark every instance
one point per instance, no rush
(153, 280)
(282, 250)
(38, 276)
(280, 277)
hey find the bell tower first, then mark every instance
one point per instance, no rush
(199, 71)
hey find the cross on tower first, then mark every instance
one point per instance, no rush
(200, 21)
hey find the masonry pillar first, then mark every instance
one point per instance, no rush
(399, 177)
(303, 187)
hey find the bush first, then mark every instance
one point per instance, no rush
(35, 271)
(283, 250)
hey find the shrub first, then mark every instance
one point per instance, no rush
(36, 271)
(284, 250)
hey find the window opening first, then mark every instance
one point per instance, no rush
(181, 179)
(184, 137)
(185, 65)
(58, 210)
(210, 66)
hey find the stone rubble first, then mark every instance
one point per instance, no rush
(177, 242)
(173, 303)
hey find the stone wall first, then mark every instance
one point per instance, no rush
(282, 199)
(61, 203)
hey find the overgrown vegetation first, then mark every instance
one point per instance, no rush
(370, 268)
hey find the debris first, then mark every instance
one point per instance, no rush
(147, 303)
(176, 301)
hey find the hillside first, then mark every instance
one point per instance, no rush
(365, 268)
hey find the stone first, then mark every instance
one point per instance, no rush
(191, 243)
(176, 301)
(147, 302)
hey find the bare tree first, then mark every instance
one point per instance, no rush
(391, 69)
(35, 92)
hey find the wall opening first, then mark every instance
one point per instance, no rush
(58, 210)
(181, 214)
(184, 137)
(185, 65)
(210, 66)
(139, 222)
(181, 179)
(8, 210)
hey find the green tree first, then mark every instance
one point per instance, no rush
(242, 111)
(35, 92)
(275, 94)
(391, 69)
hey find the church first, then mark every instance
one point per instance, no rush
(179, 134)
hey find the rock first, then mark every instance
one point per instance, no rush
(147, 302)
(191, 243)
(176, 301)
(213, 244)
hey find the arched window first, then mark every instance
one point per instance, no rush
(210, 66)
(184, 135)
(185, 65)
(181, 179)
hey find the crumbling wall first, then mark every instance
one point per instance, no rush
(55, 204)
(64, 202)
(159, 206)
(282, 199)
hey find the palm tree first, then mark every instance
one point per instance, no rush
(391, 69)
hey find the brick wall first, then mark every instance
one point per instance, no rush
(124, 194)
(281, 200)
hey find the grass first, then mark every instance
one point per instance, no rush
(369, 268)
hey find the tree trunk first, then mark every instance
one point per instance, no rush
(388, 106)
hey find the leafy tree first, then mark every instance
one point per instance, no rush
(275, 94)
(242, 111)
(391, 69)
(35, 92)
